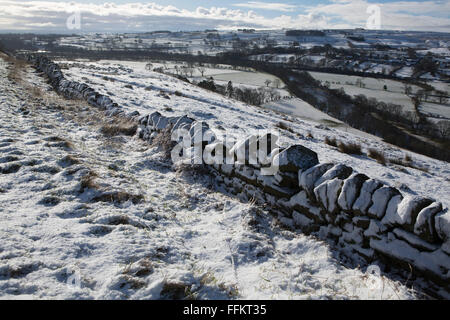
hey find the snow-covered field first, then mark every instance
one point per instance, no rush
(166, 235)
(368, 83)
(435, 110)
(374, 88)
(221, 73)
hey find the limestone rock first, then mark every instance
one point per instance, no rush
(308, 178)
(364, 201)
(425, 222)
(380, 200)
(338, 171)
(296, 158)
(442, 225)
(350, 190)
(407, 212)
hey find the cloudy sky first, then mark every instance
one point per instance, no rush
(140, 15)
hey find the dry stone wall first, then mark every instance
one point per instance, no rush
(362, 215)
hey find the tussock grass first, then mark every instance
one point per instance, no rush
(331, 141)
(175, 291)
(284, 126)
(15, 69)
(88, 181)
(119, 127)
(407, 161)
(118, 197)
(377, 155)
(193, 170)
(350, 148)
(164, 141)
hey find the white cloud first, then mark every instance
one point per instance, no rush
(267, 6)
(400, 15)
(46, 16)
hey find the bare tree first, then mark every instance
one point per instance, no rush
(408, 89)
(267, 82)
(443, 128)
(202, 70)
(277, 83)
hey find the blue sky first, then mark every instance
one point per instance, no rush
(141, 15)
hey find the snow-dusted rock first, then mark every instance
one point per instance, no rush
(425, 222)
(153, 119)
(300, 202)
(143, 120)
(364, 201)
(338, 171)
(333, 189)
(361, 222)
(161, 124)
(355, 236)
(287, 179)
(183, 122)
(435, 264)
(133, 115)
(446, 247)
(320, 193)
(406, 213)
(308, 178)
(227, 169)
(376, 229)
(391, 210)
(414, 240)
(327, 194)
(296, 158)
(246, 173)
(350, 190)
(442, 225)
(303, 222)
(380, 200)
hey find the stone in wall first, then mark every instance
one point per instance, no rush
(337, 171)
(296, 158)
(442, 225)
(380, 200)
(308, 178)
(364, 201)
(425, 222)
(301, 203)
(407, 212)
(351, 190)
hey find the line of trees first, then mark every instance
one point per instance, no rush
(256, 97)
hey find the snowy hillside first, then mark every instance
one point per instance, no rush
(87, 215)
(152, 91)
